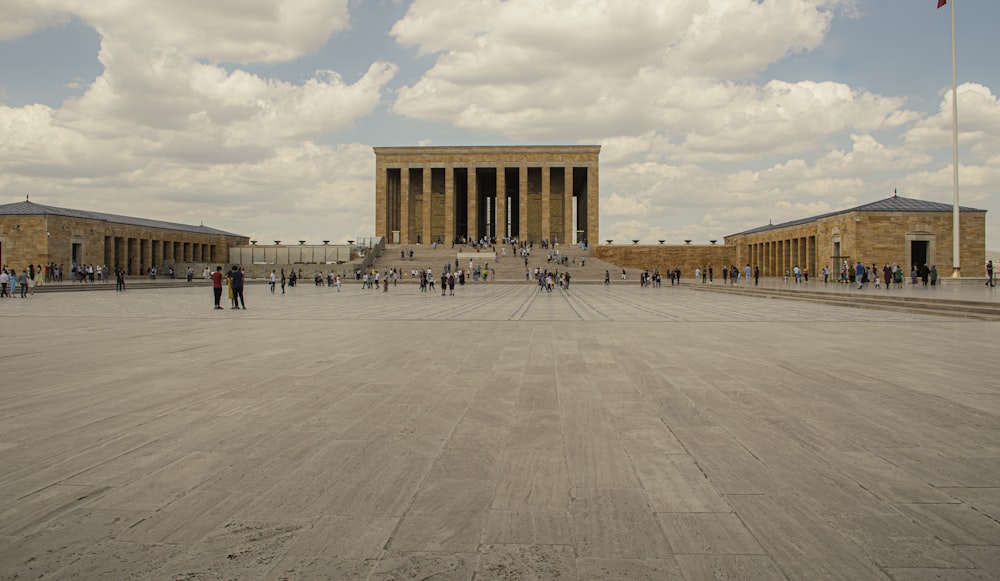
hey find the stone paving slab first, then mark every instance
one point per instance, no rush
(502, 433)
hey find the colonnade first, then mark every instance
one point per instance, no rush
(533, 194)
(774, 257)
(137, 255)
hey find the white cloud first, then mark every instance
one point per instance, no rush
(978, 124)
(582, 69)
(22, 17)
(164, 132)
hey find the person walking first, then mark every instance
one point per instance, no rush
(217, 286)
(271, 281)
(22, 281)
(989, 273)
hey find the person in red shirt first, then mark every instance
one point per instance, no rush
(217, 285)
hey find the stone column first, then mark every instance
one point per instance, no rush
(569, 227)
(522, 197)
(381, 203)
(146, 249)
(501, 219)
(449, 203)
(546, 203)
(472, 197)
(592, 204)
(426, 196)
(404, 205)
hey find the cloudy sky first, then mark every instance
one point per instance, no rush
(259, 116)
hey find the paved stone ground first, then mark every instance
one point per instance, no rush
(604, 433)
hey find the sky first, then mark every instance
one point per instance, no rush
(258, 117)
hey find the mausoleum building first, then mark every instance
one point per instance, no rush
(445, 194)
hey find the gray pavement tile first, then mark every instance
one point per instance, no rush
(955, 524)
(234, 550)
(729, 568)
(986, 558)
(708, 534)
(528, 527)
(984, 500)
(616, 523)
(896, 541)
(324, 435)
(938, 575)
(592, 569)
(526, 562)
(675, 483)
(299, 568)
(396, 566)
(802, 544)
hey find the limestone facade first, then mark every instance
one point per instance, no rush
(895, 230)
(36, 234)
(664, 257)
(531, 193)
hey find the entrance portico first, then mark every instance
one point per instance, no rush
(532, 193)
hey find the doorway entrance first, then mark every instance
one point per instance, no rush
(919, 251)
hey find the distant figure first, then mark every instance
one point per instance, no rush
(271, 282)
(217, 286)
(236, 279)
(989, 273)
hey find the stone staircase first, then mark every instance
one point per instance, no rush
(509, 268)
(989, 311)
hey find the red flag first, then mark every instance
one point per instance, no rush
(942, 3)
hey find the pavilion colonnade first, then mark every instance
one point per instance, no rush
(774, 257)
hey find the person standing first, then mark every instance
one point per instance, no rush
(756, 275)
(4, 281)
(236, 283)
(271, 281)
(217, 286)
(120, 279)
(607, 278)
(859, 274)
(989, 273)
(22, 281)
(283, 281)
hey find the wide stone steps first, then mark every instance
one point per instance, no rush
(509, 268)
(866, 300)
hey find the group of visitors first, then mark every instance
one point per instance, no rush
(234, 283)
(12, 282)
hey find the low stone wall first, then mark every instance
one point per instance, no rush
(686, 257)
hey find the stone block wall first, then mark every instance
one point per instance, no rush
(686, 257)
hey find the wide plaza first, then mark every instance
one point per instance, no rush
(502, 433)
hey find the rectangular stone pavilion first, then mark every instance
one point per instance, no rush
(531, 193)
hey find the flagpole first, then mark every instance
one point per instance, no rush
(956, 238)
